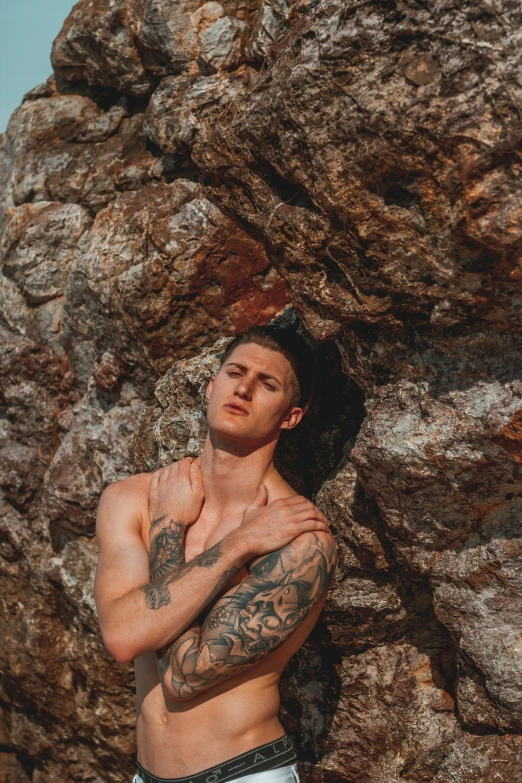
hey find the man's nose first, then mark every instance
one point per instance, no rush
(244, 389)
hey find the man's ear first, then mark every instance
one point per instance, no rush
(210, 386)
(293, 417)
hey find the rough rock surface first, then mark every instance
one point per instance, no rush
(189, 169)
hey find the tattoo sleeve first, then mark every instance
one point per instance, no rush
(250, 620)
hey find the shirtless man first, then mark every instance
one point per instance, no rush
(214, 596)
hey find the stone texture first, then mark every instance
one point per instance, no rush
(164, 271)
(373, 191)
(395, 717)
(25, 253)
(180, 103)
(65, 147)
(128, 46)
(188, 170)
(482, 759)
(477, 596)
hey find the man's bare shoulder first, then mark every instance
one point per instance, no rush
(133, 486)
(279, 488)
(310, 541)
(309, 549)
(124, 503)
(301, 546)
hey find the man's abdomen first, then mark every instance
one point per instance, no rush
(181, 738)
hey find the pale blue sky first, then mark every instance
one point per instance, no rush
(27, 31)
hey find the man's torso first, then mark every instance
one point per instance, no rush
(180, 738)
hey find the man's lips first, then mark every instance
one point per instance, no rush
(235, 408)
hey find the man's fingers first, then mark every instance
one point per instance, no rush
(196, 476)
(173, 469)
(294, 503)
(316, 517)
(310, 514)
(164, 474)
(161, 477)
(294, 508)
(291, 500)
(312, 524)
(305, 507)
(184, 466)
(318, 513)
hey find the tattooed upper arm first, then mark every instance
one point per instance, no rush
(253, 618)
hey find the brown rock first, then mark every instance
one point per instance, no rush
(128, 46)
(41, 275)
(164, 272)
(180, 103)
(190, 167)
(482, 760)
(389, 717)
(384, 241)
(93, 453)
(64, 147)
(11, 770)
(477, 596)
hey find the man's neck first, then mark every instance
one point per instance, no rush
(231, 476)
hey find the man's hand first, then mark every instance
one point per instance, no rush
(176, 491)
(266, 528)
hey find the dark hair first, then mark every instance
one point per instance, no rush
(292, 346)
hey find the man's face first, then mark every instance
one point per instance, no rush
(259, 381)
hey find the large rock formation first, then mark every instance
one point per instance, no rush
(191, 168)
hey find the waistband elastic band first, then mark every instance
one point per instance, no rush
(271, 755)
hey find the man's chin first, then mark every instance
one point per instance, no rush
(239, 430)
(233, 428)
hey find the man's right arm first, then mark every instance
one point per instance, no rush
(136, 614)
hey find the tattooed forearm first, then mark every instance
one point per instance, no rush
(164, 655)
(167, 565)
(156, 596)
(252, 619)
(157, 592)
(167, 561)
(222, 582)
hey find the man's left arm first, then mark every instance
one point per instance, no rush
(252, 619)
